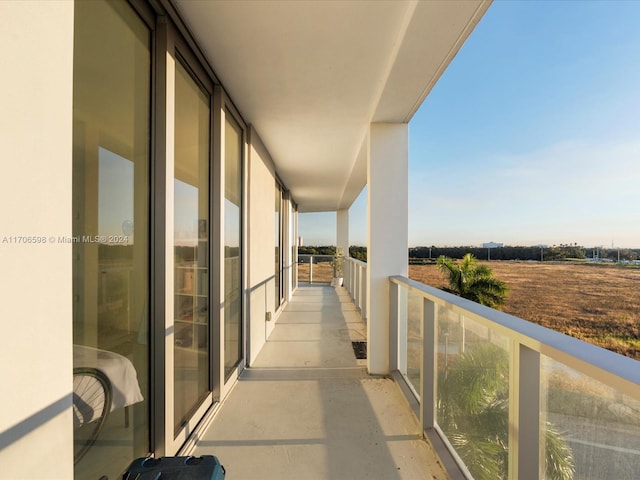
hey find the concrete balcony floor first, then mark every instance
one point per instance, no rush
(308, 410)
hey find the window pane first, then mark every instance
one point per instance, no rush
(232, 250)
(191, 247)
(111, 95)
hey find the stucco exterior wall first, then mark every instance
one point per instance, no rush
(36, 429)
(261, 245)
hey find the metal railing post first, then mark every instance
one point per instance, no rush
(363, 309)
(351, 266)
(352, 281)
(357, 287)
(345, 268)
(428, 374)
(394, 318)
(524, 435)
(361, 287)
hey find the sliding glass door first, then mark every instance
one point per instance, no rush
(111, 188)
(143, 245)
(279, 230)
(232, 245)
(192, 352)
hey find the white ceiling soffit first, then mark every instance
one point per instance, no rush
(310, 76)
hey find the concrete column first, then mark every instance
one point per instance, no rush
(387, 236)
(342, 231)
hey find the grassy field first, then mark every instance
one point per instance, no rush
(322, 272)
(597, 303)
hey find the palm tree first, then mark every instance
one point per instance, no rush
(473, 411)
(475, 282)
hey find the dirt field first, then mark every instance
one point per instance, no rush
(322, 272)
(594, 302)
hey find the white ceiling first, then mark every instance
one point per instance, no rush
(310, 76)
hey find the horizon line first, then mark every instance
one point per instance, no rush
(602, 247)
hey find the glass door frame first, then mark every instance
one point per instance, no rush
(172, 42)
(171, 48)
(282, 236)
(102, 138)
(223, 107)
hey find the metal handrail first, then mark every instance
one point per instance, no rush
(355, 281)
(610, 368)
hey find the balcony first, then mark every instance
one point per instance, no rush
(549, 406)
(307, 408)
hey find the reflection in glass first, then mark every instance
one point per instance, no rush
(473, 393)
(191, 247)
(402, 330)
(414, 339)
(232, 247)
(111, 93)
(588, 425)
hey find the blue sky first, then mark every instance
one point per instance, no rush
(115, 193)
(535, 129)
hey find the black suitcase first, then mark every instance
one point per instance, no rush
(206, 467)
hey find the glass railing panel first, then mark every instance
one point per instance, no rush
(410, 337)
(414, 339)
(315, 268)
(473, 393)
(304, 268)
(588, 425)
(403, 294)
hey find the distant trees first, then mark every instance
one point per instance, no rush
(324, 250)
(555, 252)
(420, 255)
(615, 254)
(359, 253)
(472, 281)
(561, 252)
